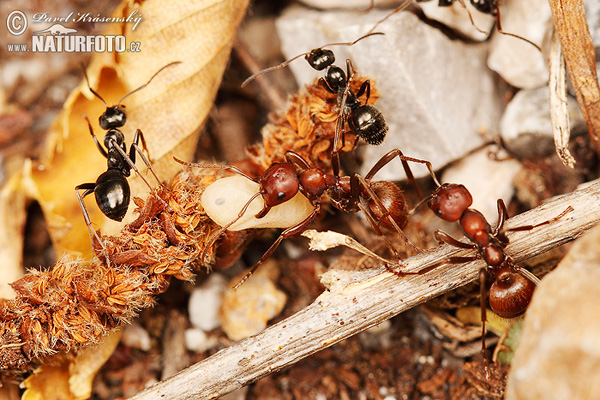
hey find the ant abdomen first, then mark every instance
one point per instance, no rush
(112, 194)
(392, 199)
(510, 294)
(369, 124)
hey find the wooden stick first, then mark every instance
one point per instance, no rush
(358, 300)
(571, 25)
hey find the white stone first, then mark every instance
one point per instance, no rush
(436, 93)
(197, 340)
(136, 336)
(205, 301)
(558, 356)
(457, 18)
(487, 180)
(225, 198)
(526, 127)
(518, 62)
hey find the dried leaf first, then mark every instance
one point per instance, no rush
(169, 111)
(71, 377)
(321, 241)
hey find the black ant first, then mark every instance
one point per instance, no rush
(512, 285)
(111, 188)
(381, 202)
(364, 120)
(491, 7)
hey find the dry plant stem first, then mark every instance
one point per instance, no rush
(571, 25)
(357, 300)
(559, 113)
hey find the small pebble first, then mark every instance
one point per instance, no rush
(136, 336)
(197, 340)
(204, 303)
(487, 180)
(246, 311)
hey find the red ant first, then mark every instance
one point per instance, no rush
(381, 202)
(512, 285)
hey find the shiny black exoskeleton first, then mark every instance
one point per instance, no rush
(111, 189)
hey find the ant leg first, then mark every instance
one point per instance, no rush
(131, 163)
(339, 127)
(443, 237)
(98, 145)
(294, 158)
(300, 227)
(462, 3)
(499, 28)
(389, 156)
(230, 168)
(218, 234)
(365, 88)
(89, 188)
(139, 136)
(357, 180)
(482, 304)
(503, 216)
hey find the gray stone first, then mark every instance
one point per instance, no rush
(526, 127)
(457, 18)
(437, 94)
(518, 62)
(488, 180)
(558, 356)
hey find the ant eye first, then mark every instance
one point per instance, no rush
(281, 196)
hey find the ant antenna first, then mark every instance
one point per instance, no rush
(401, 7)
(287, 62)
(499, 28)
(147, 83)
(90, 86)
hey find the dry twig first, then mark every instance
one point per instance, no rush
(356, 301)
(571, 25)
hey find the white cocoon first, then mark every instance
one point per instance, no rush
(225, 198)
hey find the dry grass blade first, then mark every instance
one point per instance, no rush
(559, 113)
(356, 301)
(571, 25)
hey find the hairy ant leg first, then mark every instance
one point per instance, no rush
(289, 232)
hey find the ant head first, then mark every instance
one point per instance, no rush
(320, 58)
(450, 201)
(117, 136)
(485, 6)
(113, 117)
(279, 184)
(510, 294)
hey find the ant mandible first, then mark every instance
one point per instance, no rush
(364, 120)
(512, 286)
(381, 202)
(111, 189)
